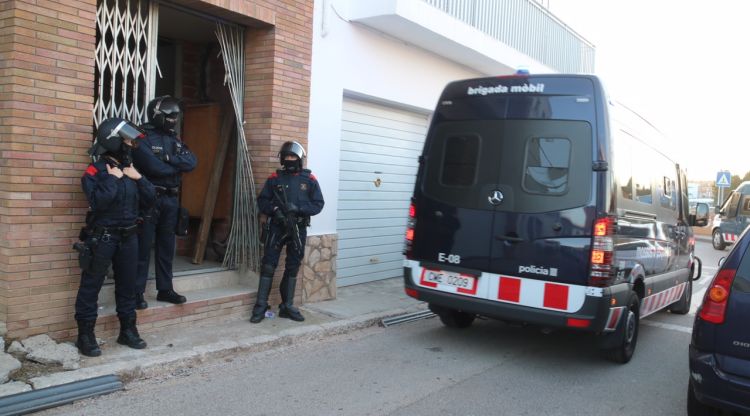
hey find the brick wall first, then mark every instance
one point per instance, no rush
(46, 96)
(46, 99)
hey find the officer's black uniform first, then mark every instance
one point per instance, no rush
(110, 237)
(289, 198)
(162, 157)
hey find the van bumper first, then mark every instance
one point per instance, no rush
(596, 310)
(715, 387)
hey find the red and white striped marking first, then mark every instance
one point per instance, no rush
(531, 293)
(729, 238)
(659, 301)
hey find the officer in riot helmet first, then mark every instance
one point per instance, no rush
(116, 192)
(289, 198)
(163, 158)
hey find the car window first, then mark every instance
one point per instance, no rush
(745, 205)
(742, 279)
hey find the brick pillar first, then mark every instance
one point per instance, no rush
(46, 98)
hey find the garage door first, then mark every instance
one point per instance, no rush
(380, 147)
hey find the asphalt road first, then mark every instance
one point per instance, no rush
(423, 368)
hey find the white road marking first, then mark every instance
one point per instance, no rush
(679, 328)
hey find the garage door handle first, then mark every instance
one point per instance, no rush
(508, 238)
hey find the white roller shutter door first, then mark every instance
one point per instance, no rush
(380, 148)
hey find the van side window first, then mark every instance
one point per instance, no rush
(460, 160)
(732, 204)
(643, 176)
(624, 164)
(745, 206)
(546, 167)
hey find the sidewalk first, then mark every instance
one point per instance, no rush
(356, 307)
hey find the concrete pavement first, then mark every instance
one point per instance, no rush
(356, 307)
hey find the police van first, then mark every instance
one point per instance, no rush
(732, 217)
(539, 201)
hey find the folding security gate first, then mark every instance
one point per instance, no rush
(125, 58)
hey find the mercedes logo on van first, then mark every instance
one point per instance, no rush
(496, 197)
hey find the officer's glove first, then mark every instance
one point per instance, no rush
(292, 209)
(278, 216)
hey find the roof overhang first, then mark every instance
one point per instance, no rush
(420, 24)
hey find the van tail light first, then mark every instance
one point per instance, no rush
(410, 224)
(717, 296)
(602, 245)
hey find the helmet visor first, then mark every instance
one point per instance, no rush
(128, 131)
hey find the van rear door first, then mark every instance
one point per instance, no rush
(543, 226)
(507, 183)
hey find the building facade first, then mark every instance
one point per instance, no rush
(66, 65)
(355, 81)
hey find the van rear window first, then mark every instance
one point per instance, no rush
(460, 160)
(547, 163)
(537, 165)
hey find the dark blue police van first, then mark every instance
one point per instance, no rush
(732, 217)
(539, 201)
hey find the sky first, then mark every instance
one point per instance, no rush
(680, 64)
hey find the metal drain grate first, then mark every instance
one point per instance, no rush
(409, 317)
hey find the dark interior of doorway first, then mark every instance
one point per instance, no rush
(191, 69)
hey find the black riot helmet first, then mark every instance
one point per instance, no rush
(110, 136)
(164, 113)
(292, 149)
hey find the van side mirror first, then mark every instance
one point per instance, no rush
(700, 219)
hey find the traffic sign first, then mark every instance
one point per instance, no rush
(723, 179)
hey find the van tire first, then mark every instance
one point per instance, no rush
(626, 334)
(682, 306)
(456, 319)
(717, 240)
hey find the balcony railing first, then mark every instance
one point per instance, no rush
(527, 27)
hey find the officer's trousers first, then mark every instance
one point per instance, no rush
(123, 253)
(272, 250)
(158, 229)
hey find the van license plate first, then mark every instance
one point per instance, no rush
(449, 281)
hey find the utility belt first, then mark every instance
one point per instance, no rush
(90, 238)
(303, 221)
(123, 232)
(168, 191)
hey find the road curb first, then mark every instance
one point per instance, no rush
(144, 367)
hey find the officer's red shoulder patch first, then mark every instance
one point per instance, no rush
(273, 176)
(92, 170)
(313, 177)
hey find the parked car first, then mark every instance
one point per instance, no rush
(732, 217)
(720, 345)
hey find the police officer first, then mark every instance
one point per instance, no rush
(289, 197)
(114, 190)
(162, 157)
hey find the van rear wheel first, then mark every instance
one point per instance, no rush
(625, 336)
(682, 306)
(717, 240)
(453, 318)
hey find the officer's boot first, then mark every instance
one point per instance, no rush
(86, 341)
(140, 302)
(129, 334)
(287, 309)
(261, 304)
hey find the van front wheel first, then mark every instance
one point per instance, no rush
(717, 240)
(625, 336)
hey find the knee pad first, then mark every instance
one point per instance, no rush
(267, 270)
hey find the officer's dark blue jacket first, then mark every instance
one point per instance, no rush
(162, 157)
(301, 189)
(115, 202)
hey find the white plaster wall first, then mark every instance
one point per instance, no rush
(355, 60)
